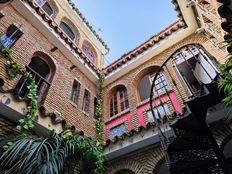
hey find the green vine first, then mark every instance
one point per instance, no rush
(13, 69)
(99, 122)
(92, 149)
(225, 83)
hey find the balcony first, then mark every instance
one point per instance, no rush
(198, 75)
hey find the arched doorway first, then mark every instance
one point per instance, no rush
(125, 171)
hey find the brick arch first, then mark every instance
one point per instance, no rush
(108, 94)
(153, 160)
(127, 164)
(139, 75)
(73, 27)
(49, 60)
(91, 47)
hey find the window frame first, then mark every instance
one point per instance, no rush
(70, 30)
(42, 4)
(86, 102)
(89, 53)
(119, 101)
(12, 31)
(77, 89)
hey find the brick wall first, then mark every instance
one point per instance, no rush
(142, 161)
(131, 79)
(58, 96)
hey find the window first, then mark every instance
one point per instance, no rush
(88, 53)
(42, 73)
(162, 109)
(86, 101)
(160, 84)
(10, 37)
(46, 7)
(119, 101)
(118, 130)
(67, 30)
(75, 92)
(193, 67)
(144, 86)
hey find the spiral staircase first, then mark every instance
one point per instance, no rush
(191, 149)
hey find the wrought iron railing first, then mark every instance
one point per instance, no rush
(191, 58)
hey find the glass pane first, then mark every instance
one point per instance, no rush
(40, 2)
(67, 30)
(144, 88)
(48, 9)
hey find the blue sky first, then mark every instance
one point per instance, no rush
(125, 24)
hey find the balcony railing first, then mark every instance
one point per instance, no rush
(190, 70)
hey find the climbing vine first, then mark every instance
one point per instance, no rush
(99, 122)
(91, 149)
(13, 69)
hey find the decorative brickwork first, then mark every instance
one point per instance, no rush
(140, 162)
(33, 41)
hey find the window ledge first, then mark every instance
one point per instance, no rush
(85, 113)
(74, 104)
(116, 116)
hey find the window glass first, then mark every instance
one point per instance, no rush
(144, 88)
(119, 101)
(160, 84)
(10, 37)
(75, 92)
(159, 111)
(88, 53)
(67, 30)
(86, 101)
(48, 9)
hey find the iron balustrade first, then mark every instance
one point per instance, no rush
(186, 55)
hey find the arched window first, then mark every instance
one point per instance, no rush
(89, 51)
(118, 101)
(68, 30)
(46, 7)
(194, 67)
(144, 86)
(42, 72)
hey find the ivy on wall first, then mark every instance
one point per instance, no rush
(92, 151)
(99, 122)
(13, 69)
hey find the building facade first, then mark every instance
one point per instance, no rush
(55, 43)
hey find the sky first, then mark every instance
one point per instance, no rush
(125, 24)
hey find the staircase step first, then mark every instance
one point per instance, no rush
(189, 123)
(185, 166)
(179, 144)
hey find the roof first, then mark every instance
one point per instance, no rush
(144, 46)
(55, 27)
(180, 23)
(87, 23)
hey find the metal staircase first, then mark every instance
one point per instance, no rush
(190, 148)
